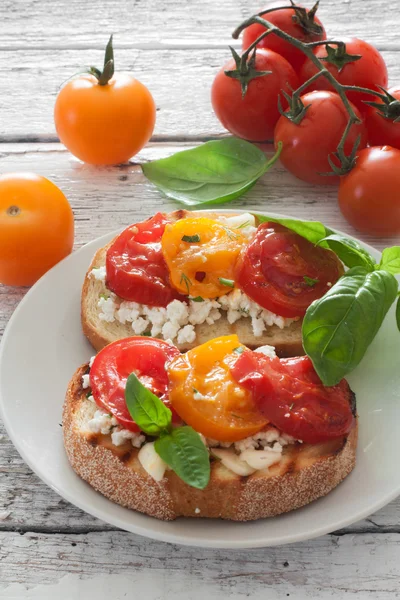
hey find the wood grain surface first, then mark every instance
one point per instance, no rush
(49, 548)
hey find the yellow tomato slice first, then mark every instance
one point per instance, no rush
(205, 396)
(201, 255)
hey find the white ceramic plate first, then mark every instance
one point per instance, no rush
(42, 347)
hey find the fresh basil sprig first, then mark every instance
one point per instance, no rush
(181, 448)
(339, 327)
(148, 411)
(390, 260)
(213, 173)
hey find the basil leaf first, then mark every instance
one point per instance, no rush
(310, 281)
(227, 282)
(349, 251)
(313, 231)
(197, 299)
(398, 314)
(191, 239)
(213, 173)
(185, 453)
(148, 411)
(339, 327)
(390, 260)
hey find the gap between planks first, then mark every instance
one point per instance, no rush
(156, 139)
(157, 46)
(74, 530)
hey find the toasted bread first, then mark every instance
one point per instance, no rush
(287, 341)
(306, 472)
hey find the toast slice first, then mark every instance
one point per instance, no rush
(306, 472)
(287, 341)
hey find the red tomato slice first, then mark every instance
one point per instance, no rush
(290, 395)
(135, 265)
(146, 357)
(285, 273)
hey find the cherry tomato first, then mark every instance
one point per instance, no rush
(36, 227)
(383, 130)
(104, 118)
(306, 146)
(369, 196)
(135, 266)
(205, 396)
(283, 272)
(253, 117)
(201, 255)
(112, 366)
(291, 396)
(369, 71)
(287, 21)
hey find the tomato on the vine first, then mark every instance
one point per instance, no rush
(301, 24)
(368, 71)
(104, 118)
(307, 145)
(369, 196)
(252, 116)
(36, 227)
(383, 129)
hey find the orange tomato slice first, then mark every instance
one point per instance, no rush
(205, 396)
(201, 255)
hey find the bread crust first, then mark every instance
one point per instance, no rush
(287, 341)
(305, 473)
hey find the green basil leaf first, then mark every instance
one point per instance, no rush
(313, 231)
(191, 239)
(390, 260)
(227, 282)
(185, 453)
(213, 173)
(310, 281)
(398, 314)
(349, 251)
(339, 327)
(148, 411)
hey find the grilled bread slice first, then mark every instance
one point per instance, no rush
(287, 341)
(305, 473)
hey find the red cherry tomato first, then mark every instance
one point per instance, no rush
(283, 272)
(306, 146)
(384, 130)
(112, 366)
(369, 71)
(290, 395)
(285, 20)
(253, 116)
(135, 266)
(369, 196)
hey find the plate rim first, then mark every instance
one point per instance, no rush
(141, 530)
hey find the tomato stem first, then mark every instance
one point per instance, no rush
(103, 77)
(297, 110)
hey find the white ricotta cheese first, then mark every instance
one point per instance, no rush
(86, 381)
(267, 351)
(119, 437)
(99, 273)
(152, 462)
(102, 422)
(91, 361)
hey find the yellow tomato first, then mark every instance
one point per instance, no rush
(102, 118)
(201, 255)
(205, 396)
(36, 227)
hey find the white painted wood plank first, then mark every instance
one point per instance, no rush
(105, 199)
(180, 81)
(116, 565)
(69, 23)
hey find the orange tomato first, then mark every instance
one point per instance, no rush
(201, 255)
(36, 227)
(205, 395)
(104, 119)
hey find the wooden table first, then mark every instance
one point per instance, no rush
(49, 548)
